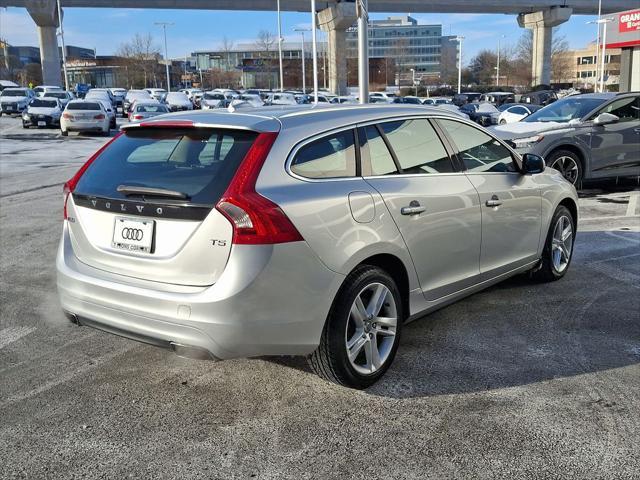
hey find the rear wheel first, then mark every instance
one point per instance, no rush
(24, 125)
(568, 164)
(558, 249)
(362, 332)
(503, 122)
(64, 133)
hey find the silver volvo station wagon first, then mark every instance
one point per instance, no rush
(302, 231)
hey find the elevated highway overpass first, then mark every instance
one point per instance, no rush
(335, 16)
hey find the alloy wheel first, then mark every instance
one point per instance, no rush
(371, 328)
(562, 243)
(568, 167)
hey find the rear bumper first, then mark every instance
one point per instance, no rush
(270, 300)
(82, 127)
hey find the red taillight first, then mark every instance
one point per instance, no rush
(70, 185)
(99, 117)
(138, 117)
(255, 219)
(68, 116)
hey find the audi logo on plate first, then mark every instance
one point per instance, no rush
(132, 234)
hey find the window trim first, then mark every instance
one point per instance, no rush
(400, 174)
(516, 158)
(292, 155)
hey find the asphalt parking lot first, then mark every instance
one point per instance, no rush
(519, 381)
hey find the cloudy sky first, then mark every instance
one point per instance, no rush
(106, 29)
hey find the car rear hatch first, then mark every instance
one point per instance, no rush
(144, 205)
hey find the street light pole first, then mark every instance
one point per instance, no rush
(498, 65)
(164, 26)
(598, 40)
(280, 49)
(413, 80)
(314, 43)
(363, 49)
(459, 38)
(64, 49)
(304, 72)
(604, 22)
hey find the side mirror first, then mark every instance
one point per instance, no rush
(605, 119)
(532, 164)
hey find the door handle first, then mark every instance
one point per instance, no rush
(493, 202)
(414, 208)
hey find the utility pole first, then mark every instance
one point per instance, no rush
(304, 73)
(64, 49)
(164, 26)
(498, 65)
(459, 38)
(362, 10)
(280, 49)
(598, 42)
(314, 43)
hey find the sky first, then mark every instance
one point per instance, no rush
(106, 29)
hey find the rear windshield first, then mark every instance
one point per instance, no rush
(44, 103)
(57, 94)
(151, 108)
(9, 92)
(83, 106)
(196, 162)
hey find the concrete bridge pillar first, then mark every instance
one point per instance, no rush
(45, 16)
(541, 23)
(335, 20)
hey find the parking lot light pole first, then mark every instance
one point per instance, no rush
(314, 46)
(304, 72)
(280, 49)
(459, 38)
(164, 26)
(363, 49)
(498, 62)
(413, 80)
(64, 50)
(603, 22)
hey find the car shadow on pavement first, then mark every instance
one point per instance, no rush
(520, 332)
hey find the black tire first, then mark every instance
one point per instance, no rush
(24, 125)
(64, 133)
(113, 124)
(546, 270)
(330, 360)
(566, 157)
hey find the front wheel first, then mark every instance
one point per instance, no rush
(362, 332)
(568, 164)
(558, 248)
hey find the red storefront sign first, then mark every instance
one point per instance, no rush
(629, 21)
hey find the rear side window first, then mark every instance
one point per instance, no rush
(380, 161)
(333, 156)
(83, 106)
(417, 147)
(479, 151)
(197, 162)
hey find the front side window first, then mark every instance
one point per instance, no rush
(478, 151)
(417, 147)
(626, 109)
(333, 156)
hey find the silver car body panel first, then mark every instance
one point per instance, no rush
(251, 300)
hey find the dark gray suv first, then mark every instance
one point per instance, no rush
(583, 136)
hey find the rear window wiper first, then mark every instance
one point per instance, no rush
(151, 192)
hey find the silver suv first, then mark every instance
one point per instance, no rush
(302, 231)
(584, 137)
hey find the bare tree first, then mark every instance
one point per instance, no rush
(559, 49)
(264, 43)
(140, 55)
(227, 47)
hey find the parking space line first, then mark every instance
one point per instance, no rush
(633, 203)
(13, 334)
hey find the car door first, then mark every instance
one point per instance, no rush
(511, 202)
(615, 148)
(433, 204)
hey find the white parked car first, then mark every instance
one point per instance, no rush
(436, 101)
(101, 94)
(111, 112)
(252, 99)
(381, 97)
(42, 112)
(177, 101)
(84, 116)
(157, 93)
(64, 97)
(15, 100)
(282, 98)
(131, 97)
(341, 100)
(213, 99)
(43, 90)
(515, 113)
(146, 109)
(450, 107)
